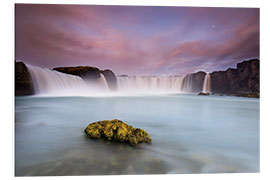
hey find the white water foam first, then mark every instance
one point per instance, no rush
(153, 84)
(48, 82)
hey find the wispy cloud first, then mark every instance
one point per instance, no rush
(136, 40)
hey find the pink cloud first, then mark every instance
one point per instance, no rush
(56, 35)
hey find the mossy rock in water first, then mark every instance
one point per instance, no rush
(204, 94)
(116, 130)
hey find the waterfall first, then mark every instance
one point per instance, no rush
(187, 83)
(207, 83)
(150, 83)
(102, 82)
(50, 82)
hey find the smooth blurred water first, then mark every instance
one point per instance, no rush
(190, 133)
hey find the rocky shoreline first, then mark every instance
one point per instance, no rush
(248, 95)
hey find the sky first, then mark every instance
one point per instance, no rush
(136, 40)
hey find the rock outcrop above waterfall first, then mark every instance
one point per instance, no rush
(116, 130)
(198, 79)
(111, 78)
(90, 73)
(23, 85)
(242, 80)
(123, 75)
(85, 72)
(194, 82)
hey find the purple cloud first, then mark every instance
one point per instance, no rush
(136, 40)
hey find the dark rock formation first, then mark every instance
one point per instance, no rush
(204, 94)
(244, 79)
(116, 130)
(250, 95)
(196, 80)
(110, 78)
(23, 84)
(85, 72)
(123, 75)
(91, 74)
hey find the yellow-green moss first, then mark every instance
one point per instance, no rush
(116, 130)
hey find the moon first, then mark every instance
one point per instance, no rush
(213, 26)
